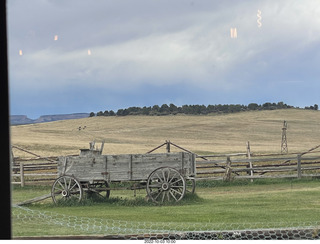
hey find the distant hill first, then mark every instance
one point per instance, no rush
(20, 119)
(23, 119)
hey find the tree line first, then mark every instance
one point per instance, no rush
(172, 109)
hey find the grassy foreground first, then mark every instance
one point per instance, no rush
(216, 206)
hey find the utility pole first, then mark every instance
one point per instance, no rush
(284, 145)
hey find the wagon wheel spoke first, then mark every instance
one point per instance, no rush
(173, 177)
(163, 176)
(161, 180)
(75, 184)
(173, 195)
(157, 177)
(163, 196)
(59, 186)
(177, 187)
(62, 187)
(177, 192)
(178, 180)
(164, 171)
(65, 183)
(156, 197)
(69, 183)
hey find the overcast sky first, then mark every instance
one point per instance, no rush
(69, 56)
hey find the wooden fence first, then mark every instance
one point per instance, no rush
(33, 171)
(208, 167)
(253, 166)
(240, 166)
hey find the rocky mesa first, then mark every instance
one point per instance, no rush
(23, 119)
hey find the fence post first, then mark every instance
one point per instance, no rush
(299, 166)
(22, 174)
(227, 176)
(249, 157)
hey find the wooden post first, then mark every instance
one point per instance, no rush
(102, 145)
(22, 174)
(227, 176)
(168, 146)
(12, 158)
(249, 157)
(130, 167)
(134, 189)
(182, 163)
(299, 166)
(92, 144)
(194, 164)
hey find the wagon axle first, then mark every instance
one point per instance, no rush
(65, 193)
(165, 186)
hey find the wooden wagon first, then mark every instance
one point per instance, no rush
(165, 176)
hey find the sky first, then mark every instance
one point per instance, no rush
(73, 56)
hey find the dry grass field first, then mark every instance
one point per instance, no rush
(201, 134)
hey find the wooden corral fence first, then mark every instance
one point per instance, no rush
(33, 170)
(254, 166)
(248, 165)
(226, 167)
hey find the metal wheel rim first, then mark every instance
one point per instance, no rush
(66, 188)
(165, 185)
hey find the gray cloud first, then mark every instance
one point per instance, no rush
(161, 43)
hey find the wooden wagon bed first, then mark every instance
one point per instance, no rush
(164, 175)
(124, 167)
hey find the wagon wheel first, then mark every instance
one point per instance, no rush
(98, 188)
(66, 188)
(165, 184)
(190, 186)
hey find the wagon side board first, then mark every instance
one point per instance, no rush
(83, 168)
(125, 167)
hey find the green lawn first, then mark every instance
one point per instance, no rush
(216, 206)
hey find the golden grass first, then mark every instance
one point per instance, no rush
(201, 134)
